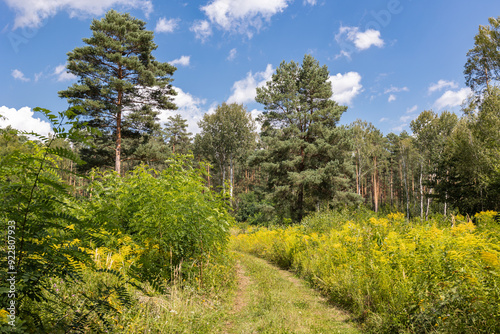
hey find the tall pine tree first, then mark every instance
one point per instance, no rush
(120, 85)
(306, 156)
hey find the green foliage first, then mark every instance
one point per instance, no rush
(253, 209)
(305, 155)
(170, 214)
(226, 135)
(120, 84)
(483, 61)
(177, 135)
(44, 234)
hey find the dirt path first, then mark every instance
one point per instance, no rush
(270, 300)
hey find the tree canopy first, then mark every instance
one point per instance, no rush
(120, 85)
(305, 154)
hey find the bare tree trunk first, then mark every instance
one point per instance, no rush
(406, 188)
(428, 205)
(231, 178)
(223, 179)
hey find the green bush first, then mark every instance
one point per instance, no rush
(170, 214)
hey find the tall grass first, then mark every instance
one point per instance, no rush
(395, 276)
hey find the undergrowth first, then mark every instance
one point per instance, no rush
(395, 276)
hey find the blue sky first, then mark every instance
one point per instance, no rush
(388, 59)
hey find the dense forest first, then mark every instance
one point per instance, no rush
(114, 213)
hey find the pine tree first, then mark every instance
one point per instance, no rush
(306, 156)
(177, 135)
(120, 85)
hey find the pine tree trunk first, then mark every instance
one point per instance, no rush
(118, 142)
(119, 127)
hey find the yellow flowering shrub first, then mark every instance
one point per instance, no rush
(398, 277)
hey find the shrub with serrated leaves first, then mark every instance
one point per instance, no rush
(44, 245)
(171, 215)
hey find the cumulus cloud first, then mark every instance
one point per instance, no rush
(243, 16)
(62, 74)
(452, 98)
(23, 120)
(182, 61)
(391, 98)
(442, 84)
(202, 29)
(232, 54)
(245, 90)
(166, 26)
(30, 13)
(16, 74)
(361, 40)
(346, 86)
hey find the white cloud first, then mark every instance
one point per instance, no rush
(182, 61)
(255, 113)
(189, 107)
(38, 76)
(166, 26)
(406, 118)
(232, 54)
(361, 40)
(23, 120)
(399, 128)
(383, 119)
(16, 74)
(62, 74)
(241, 16)
(310, 2)
(393, 89)
(442, 84)
(412, 109)
(202, 29)
(245, 90)
(31, 13)
(452, 98)
(346, 86)
(391, 98)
